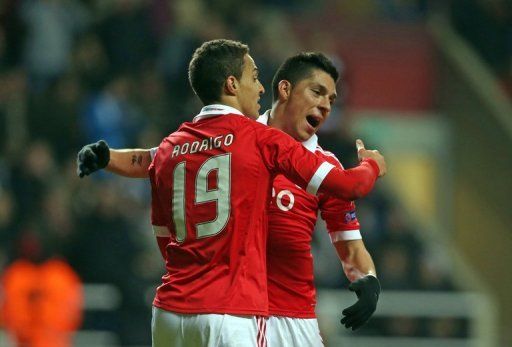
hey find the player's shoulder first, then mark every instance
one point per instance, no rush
(262, 130)
(252, 123)
(328, 156)
(246, 128)
(238, 121)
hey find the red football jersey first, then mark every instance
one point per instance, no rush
(211, 184)
(292, 216)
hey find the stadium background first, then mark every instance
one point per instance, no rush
(427, 82)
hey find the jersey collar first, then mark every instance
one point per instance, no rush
(263, 119)
(310, 143)
(215, 110)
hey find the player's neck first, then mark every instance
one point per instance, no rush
(275, 116)
(230, 101)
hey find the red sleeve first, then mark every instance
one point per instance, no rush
(282, 154)
(353, 183)
(339, 215)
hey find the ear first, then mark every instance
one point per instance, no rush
(284, 89)
(231, 86)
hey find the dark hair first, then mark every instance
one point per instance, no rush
(212, 63)
(300, 67)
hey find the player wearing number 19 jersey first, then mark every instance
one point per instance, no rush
(211, 183)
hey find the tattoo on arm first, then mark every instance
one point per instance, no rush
(137, 159)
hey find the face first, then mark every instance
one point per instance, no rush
(307, 105)
(250, 89)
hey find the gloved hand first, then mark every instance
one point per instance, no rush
(92, 157)
(367, 290)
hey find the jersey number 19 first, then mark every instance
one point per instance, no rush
(221, 195)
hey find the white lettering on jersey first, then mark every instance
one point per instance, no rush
(217, 142)
(184, 148)
(175, 151)
(279, 200)
(193, 148)
(228, 140)
(204, 145)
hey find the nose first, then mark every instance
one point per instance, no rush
(261, 88)
(325, 106)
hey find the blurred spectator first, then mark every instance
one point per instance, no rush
(51, 26)
(42, 304)
(13, 112)
(53, 116)
(42, 300)
(31, 175)
(175, 52)
(153, 100)
(396, 268)
(111, 114)
(90, 63)
(12, 34)
(126, 35)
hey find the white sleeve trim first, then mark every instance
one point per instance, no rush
(160, 231)
(318, 177)
(152, 152)
(346, 235)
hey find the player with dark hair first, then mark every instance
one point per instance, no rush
(209, 66)
(302, 85)
(211, 182)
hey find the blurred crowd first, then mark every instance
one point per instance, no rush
(73, 72)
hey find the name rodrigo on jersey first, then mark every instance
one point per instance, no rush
(204, 145)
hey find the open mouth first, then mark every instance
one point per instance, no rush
(314, 122)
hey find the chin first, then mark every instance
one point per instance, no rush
(303, 137)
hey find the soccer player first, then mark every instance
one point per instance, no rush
(242, 216)
(302, 86)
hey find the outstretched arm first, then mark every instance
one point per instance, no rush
(129, 162)
(125, 162)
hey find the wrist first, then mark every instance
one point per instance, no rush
(375, 282)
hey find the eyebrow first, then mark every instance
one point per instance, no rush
(333, 96)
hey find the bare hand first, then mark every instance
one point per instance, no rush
(363, 153)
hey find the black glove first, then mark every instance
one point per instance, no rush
(92, 157)
(367, 290)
